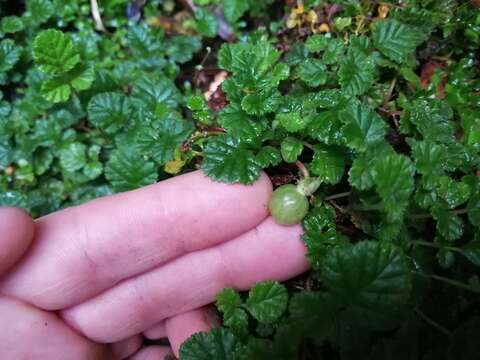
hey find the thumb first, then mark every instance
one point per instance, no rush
(16, 234)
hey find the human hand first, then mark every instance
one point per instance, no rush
(130, 263)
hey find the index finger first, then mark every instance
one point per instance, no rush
(81, 251)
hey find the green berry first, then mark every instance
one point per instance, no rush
(288, 206)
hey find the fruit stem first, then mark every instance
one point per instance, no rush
(308, 185)
(303, 169)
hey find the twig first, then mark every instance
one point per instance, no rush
(433, 323)
(337, 196)
(96, 16)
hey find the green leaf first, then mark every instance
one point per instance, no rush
(149, 92)
(228, 302)
(12, 24)
(162, 141)
(268, 156)
(218, 344)
(363, 127)
(357, 72)
(54, 52)
(13, 199)
(472, 251)
(313, 72)
(292, 121)
(360, 175)
(73, 157)
(267, 301)
(396, 40)
(207, 23)
(372, 279)
(58, 88)
(317, 43)
(432, 119)
(127, 170)
(473, 209)
(449, 225)
(429, 157)
(333, 52)
(39, 10)
(9, 55)
(328, 163)
(393, 179)
(227, 159)
(234, 9)
(181, 48)
(291, 149)
(109, 111)
(240, 125)
(326, 127)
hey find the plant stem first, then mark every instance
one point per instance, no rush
(303, 169)
(456, 283)
(308, 145)
(433, 323)
(337, 196)
(432, 245)
(96, 16)
(428, 215)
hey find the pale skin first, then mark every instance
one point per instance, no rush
(89, 282)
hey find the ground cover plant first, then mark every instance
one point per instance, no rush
(371, 109)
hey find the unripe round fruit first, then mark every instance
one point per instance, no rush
(288, 206)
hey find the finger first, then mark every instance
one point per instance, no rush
(84, 250)
(16, 233)
(29, 333)
(181, 327)
(269, 251)
(157, 331)
(127, 347)
(152, 353)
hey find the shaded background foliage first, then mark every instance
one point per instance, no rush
(377, 100)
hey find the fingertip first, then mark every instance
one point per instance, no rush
(152, 353)
(181, 327)
(16, 234)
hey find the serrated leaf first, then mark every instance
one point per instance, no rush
(326, 127)
(109, 111)
(316, 43)
(12, 24)
(393, 179)
(207, 23)
(333, 52)
(9, 55)
(261, 103)
(268, 156)
(73, 157)
(240, 125)
(40, 10)
(234, 9)
(228, 302)
(151, 91)
(218, 344)
(432, 119)
(449, 225)
(371, 278)
(160, 142)
(292, 121)
(127, 169)
(181, 48)
(357, 72)
(328, 163)
(227, 159)
(429, 157)
(360, 175)
(54, 52)
(58, 88)
(267, 301)
(363, 127)
(291, 149)
(13, 199)
(395, 40)
(313, 72)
